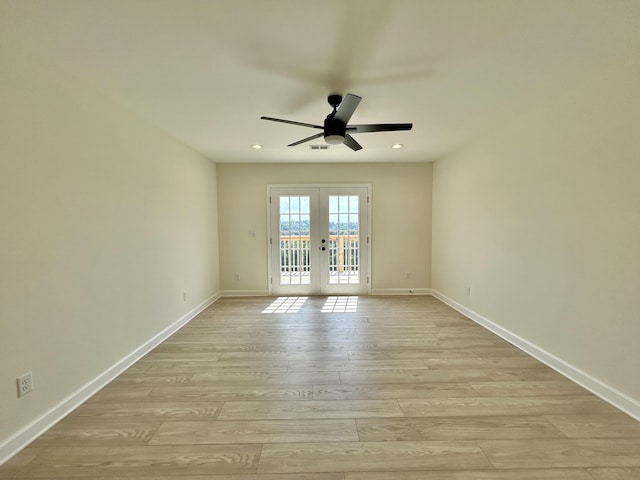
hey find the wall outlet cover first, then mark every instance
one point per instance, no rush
(25, 384)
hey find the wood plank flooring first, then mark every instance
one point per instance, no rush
(403, 388)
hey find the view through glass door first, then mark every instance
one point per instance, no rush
(319, 240)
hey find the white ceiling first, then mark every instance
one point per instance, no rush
(206, 70)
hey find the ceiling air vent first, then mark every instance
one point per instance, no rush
(319, 147)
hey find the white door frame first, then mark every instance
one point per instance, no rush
(366, 235)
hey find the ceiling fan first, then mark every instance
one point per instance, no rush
(336, 129)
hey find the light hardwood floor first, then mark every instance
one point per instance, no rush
(403, 388)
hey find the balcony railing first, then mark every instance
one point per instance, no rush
(343, 251)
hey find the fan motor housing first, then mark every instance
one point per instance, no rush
(334, 131)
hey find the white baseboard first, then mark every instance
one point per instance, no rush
(26, 435)
(401, 291)
(606, 392)
(244, 293)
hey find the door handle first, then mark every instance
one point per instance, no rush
(323, 242)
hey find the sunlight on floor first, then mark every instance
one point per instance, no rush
(286, 305)
(340, 305)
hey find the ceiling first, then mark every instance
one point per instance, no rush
(206, 70)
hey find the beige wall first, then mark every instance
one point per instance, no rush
(542, 220)
(401, 223)
(104, 222)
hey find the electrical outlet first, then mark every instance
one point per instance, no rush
(468, 291)
(184, 296)
(407, 275)
(25, 384)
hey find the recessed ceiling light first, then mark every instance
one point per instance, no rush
(256, 146)
(396, 146)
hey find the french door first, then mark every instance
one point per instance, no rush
(319, 240)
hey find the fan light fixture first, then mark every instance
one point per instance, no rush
(396, 146)
(334, 139)
(256, 146)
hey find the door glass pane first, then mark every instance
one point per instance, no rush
(284, 204)
(344, 239)
(305, 206)
(333, 203)
(295, 261)
(294, 204)
(354, 202)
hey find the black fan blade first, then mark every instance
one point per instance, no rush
(292, 122)
(318, 135)
(350, 142)
(379, 127)
(347, 107)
